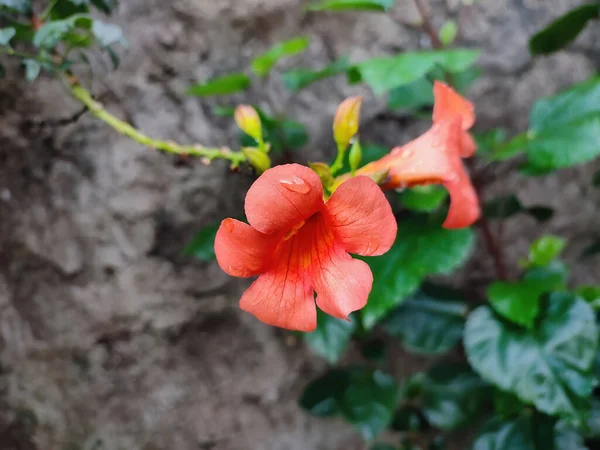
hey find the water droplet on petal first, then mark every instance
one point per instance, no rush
(296, 184)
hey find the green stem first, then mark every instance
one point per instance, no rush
(85, 97)
(339, 160)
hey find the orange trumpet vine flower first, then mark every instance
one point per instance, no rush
(298, 244)
(436, 157)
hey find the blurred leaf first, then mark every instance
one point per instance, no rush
(506, 404)
(373, 349)
(421, 249)
(320, 397)
(263, 64)
(413, 95)
(430, 322)
(223, 111)
(555, 360)
(408, 418)
(331, 337)
(51, 33)
(567, 438)
(385, 73)
(368, 402)
(107, 34)
(383, 447)
(448, 32)
(227, 84)
(340, 5)
(510, 149)
(526, 432)
(591, 250)
(553, 276)
(563, 30)
(423, 198)
(540, 213)
(20, 6)
(462, 81)
(489, 141)
(370, 153)
(565, 128)
(6, 34)
(32, 69)
(544, 250)
(202, 246)
(64, 9)
(452, 396)
(503, 207)
(297, 79)
(105, 6)
(590, 294)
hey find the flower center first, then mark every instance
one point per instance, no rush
(293, 231)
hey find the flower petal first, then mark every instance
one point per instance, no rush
(464, 204)
(342, 283)
(283, 296)
(241, 250)
(362, 217)
(283, 197)
(449, 103)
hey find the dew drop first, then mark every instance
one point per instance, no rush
(296, 184)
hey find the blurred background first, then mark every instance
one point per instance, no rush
(109, 337)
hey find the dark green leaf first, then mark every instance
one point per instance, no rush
(383, 447)
(590, 294)
(553, 276)
(263, 64)
(452, 396)
(408, 418)
(294, 135)
(414, 95)
(298, 79)
(51, 33)
(430, 322)
(107, 34)
(510, 149)
(368, 402)
(227, 84)
(423, 198)
(526, 432)
(503, 207)
(567, 438)
(373, 349)
(489, 141)
(544, 250)
(591, 250)
(105, 6)
(63, 9)
(563, 30)
(386, 73)
(331, 337)
(555, 360)
(6, 34)
(421, 249)
(340, 5)
(32, 69)
(202, 245)
(540, 213)
(20, 6)
(507, 405)
(320, 397)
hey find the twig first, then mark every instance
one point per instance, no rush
(428, 26)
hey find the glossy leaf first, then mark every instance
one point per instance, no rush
(331, 337)
(423, 198)
(453, 396)
(421, 249)
(202, 245)
(263, 64)
(563, 30)
(555, 360)
(429, 322)
(385, 73)
(227, 84)
(20, 6)
(544, 250)
(298, 79)
(341, 5)
(6, 34)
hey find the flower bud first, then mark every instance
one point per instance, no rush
(257, 159)
(355, 156)
(248, 120)
(346, 120)
(324, 172)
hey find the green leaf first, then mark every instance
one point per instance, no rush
(385, 73)
(540, 213)
(383, 447)
(567, 438)
(526, 432)
(591, 250)
(554, 276)
(373, 349)
(409, 418)
(20, 6)
(503, 207)
(430, 322)
(506, 404)
(341, 5)
(202, 246)
(32, 69)
(563, 30)
(590, 294)
(413, 95)
(555, 360)
(448, 32)
(421, 249)
(227, 84)
(107, 34)
(51, 33)
(453, 396)
(106, 6)
(297, 79)
(320, 396)
(564, 128)
(331, 337)
(423, 198)
(263, 64)
(544, 250)
(368, 402)
(512, 148)
(6, 34)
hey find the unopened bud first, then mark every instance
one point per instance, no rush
(355, 156)
(248, 120)
(346, 120)
(257, 159)
(324, 172)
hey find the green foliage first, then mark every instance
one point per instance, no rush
(6, 34)
(423, 198)
(202, 246)
(20, 6)
(544, 250)
(526, 432)
(510, 205)
(448, 32)
(429, 322)
(263, 64)
(421, 249)
(298, 79)
(563, 30)
(556, 357)
(226, 84)
(331, 337)
(340, 5)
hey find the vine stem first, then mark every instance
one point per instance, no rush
(97, 109)
(428, 26)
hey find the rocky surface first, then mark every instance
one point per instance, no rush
(109, 339)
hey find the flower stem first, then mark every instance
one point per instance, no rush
(97, 109)
(339, 160)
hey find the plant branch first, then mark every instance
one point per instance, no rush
(96, 108)
(427, 25)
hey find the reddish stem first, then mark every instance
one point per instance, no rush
(428, 26)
